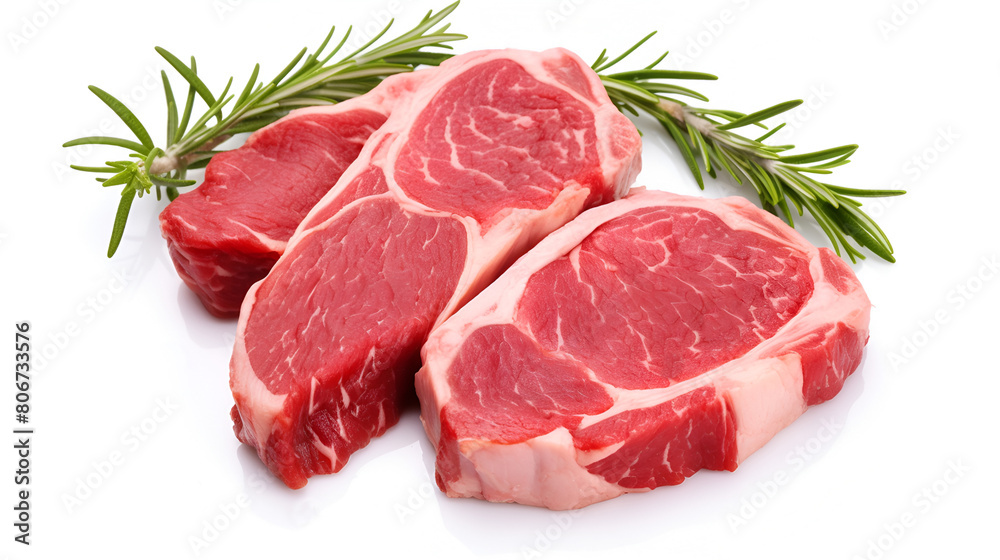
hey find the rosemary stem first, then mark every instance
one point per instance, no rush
(676, 110)
(684, 116)
(165, 164)
(171, 161)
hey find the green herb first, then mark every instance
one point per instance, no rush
(707, 141)
(308, 80)
(705, 137)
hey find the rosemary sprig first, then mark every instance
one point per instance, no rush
(707, 140)
(704, 136)
(309, 79)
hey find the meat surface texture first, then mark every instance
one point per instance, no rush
(227, 234)
(647, 339)
(480, 158)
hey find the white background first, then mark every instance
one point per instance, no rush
(914, 84)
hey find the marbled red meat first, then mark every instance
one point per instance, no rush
(480, 159)
(647, 339)
(227, 234)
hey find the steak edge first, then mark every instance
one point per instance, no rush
(482, 158)
(227, 234)
(647, 339)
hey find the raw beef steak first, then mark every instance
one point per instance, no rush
(227, 234)
(647, 339)
(491, 152)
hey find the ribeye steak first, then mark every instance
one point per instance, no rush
(480, 159)
(645, 340)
